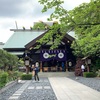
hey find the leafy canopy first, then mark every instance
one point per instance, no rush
(84, 20)
(87, 18)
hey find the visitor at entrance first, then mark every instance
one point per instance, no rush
(82, 69)
(63, 66)
(69, 65)
(33, 72)
(36, 69)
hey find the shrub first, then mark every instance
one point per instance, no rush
(13, 75)
(3, 79)
(26, 76)
(98, 73)
(10, 75)
(16, 75)
(95, 65)
(89, 74)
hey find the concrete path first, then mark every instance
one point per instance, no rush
(67, 89)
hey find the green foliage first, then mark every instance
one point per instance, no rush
(7, 59)
(20, 62)
(13, 75)
(3, 78)
(95, 64)
(84, 19)
(89, 74)
(3, 58)
(53, 37)
(87, 29)
(26, 76)
(16, 75)
(98, 73)
(6, 77)
(40, 26)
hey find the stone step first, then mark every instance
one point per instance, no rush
(56, 74)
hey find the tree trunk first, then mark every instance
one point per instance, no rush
(88, 68)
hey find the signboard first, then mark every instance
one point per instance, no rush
(59, 55)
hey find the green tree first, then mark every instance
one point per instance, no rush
(21, 62)
(84, 20)
(87, 18)
(7, 60)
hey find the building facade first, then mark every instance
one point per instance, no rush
(22, 44)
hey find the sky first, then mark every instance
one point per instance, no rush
(25, 13)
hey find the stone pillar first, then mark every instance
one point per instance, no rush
(27, 69)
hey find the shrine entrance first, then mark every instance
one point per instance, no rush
(53, 60)
(53, 66)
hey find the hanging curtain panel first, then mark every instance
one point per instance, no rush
(59, 55)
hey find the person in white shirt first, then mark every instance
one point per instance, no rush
(82, 69)
(36, 69)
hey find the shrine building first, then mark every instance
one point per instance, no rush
(23, 42)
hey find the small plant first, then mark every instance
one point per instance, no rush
(98, 73)
(26, 76)
(13, 75)
(16, 75)
(89, 74)
(3, 79)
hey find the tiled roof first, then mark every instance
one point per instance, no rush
(72, 34)
(20, 38)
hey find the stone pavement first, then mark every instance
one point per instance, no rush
(67, 89)
(32, 90)
(54, 88)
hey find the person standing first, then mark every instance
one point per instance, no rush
(82, 69)
(36, 69)
(63, 66)
(33, 67)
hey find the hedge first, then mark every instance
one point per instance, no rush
(89, 74)
(3, 79)
(26, 76)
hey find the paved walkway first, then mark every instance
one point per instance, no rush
(67, 89)
(56, 74)
(55, 88)
(32, 90)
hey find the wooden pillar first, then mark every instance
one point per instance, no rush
(66, 62)
(66, 66)
(40, 66)
(41, 61)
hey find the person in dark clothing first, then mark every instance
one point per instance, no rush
(63, 66)
(69, 65)
(36, 69)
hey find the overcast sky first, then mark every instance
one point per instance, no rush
(25, 13)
